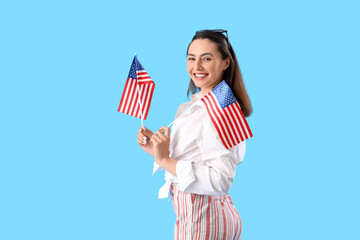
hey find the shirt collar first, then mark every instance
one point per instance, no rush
(195, 97)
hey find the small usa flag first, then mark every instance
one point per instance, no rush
(138, 91)
(226, 115)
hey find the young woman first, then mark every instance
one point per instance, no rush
(199, 169)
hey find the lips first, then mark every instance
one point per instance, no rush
(200, 76)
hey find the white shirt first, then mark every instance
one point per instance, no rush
(204, 165)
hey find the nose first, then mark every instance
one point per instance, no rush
(198, 65)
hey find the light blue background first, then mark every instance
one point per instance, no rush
(70, 167)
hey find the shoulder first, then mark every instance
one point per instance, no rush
(182, 107)
(211, 141)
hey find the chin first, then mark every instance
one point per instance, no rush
(198, 84)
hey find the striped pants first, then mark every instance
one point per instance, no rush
(204, 217)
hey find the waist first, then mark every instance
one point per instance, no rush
(174, 188)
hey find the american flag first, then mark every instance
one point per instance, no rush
(226, 115)
(137, 84)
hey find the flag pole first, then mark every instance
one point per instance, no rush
(138, 90)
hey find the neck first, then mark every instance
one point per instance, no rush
(203, 93)
(206, 90)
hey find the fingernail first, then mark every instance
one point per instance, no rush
(144, 138)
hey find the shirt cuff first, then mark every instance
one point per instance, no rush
(184, 174)
(156, 168)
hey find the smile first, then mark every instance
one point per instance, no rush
(200, 76)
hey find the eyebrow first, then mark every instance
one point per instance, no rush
(208, 53)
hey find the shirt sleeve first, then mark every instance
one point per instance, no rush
(215, 172)
(157, 167)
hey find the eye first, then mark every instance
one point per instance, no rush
(191, 59)
(207, 59)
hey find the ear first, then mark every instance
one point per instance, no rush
(227, 63)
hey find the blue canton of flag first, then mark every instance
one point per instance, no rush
(132, 73)
(224, 94)
(135, 66)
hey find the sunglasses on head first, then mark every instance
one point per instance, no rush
(217, 31)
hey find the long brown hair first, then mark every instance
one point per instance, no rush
(232, 75)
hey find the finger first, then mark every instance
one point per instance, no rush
(156, 137)
(154, 140)
(167, 131)
(147, 132)
(160, 132)
(142, 137)
(143, 130)
(140, 143)
(160, 135)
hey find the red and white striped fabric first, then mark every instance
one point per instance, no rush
(204, 216)
(138, 91)
(226, 115)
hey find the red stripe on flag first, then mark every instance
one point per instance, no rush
(146, 77)
(238, 115)
(136, 102)
(150, 94)
(209, 109)
(145, 83)
(131, 99)
(228, 133)
(221, 131)
(245, 122)
(139, 109)
(141, 73)
(129, 90)
(144, 90)
(124, 93)
(237, 122)
(230, 121)
(146, 97)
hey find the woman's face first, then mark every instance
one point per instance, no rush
(205, 64)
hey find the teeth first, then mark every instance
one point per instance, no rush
(200, 75)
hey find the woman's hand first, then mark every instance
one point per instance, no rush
(144, 136)
(161, 144)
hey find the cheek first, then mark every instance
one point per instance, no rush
(218, 69)
(189, 67)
